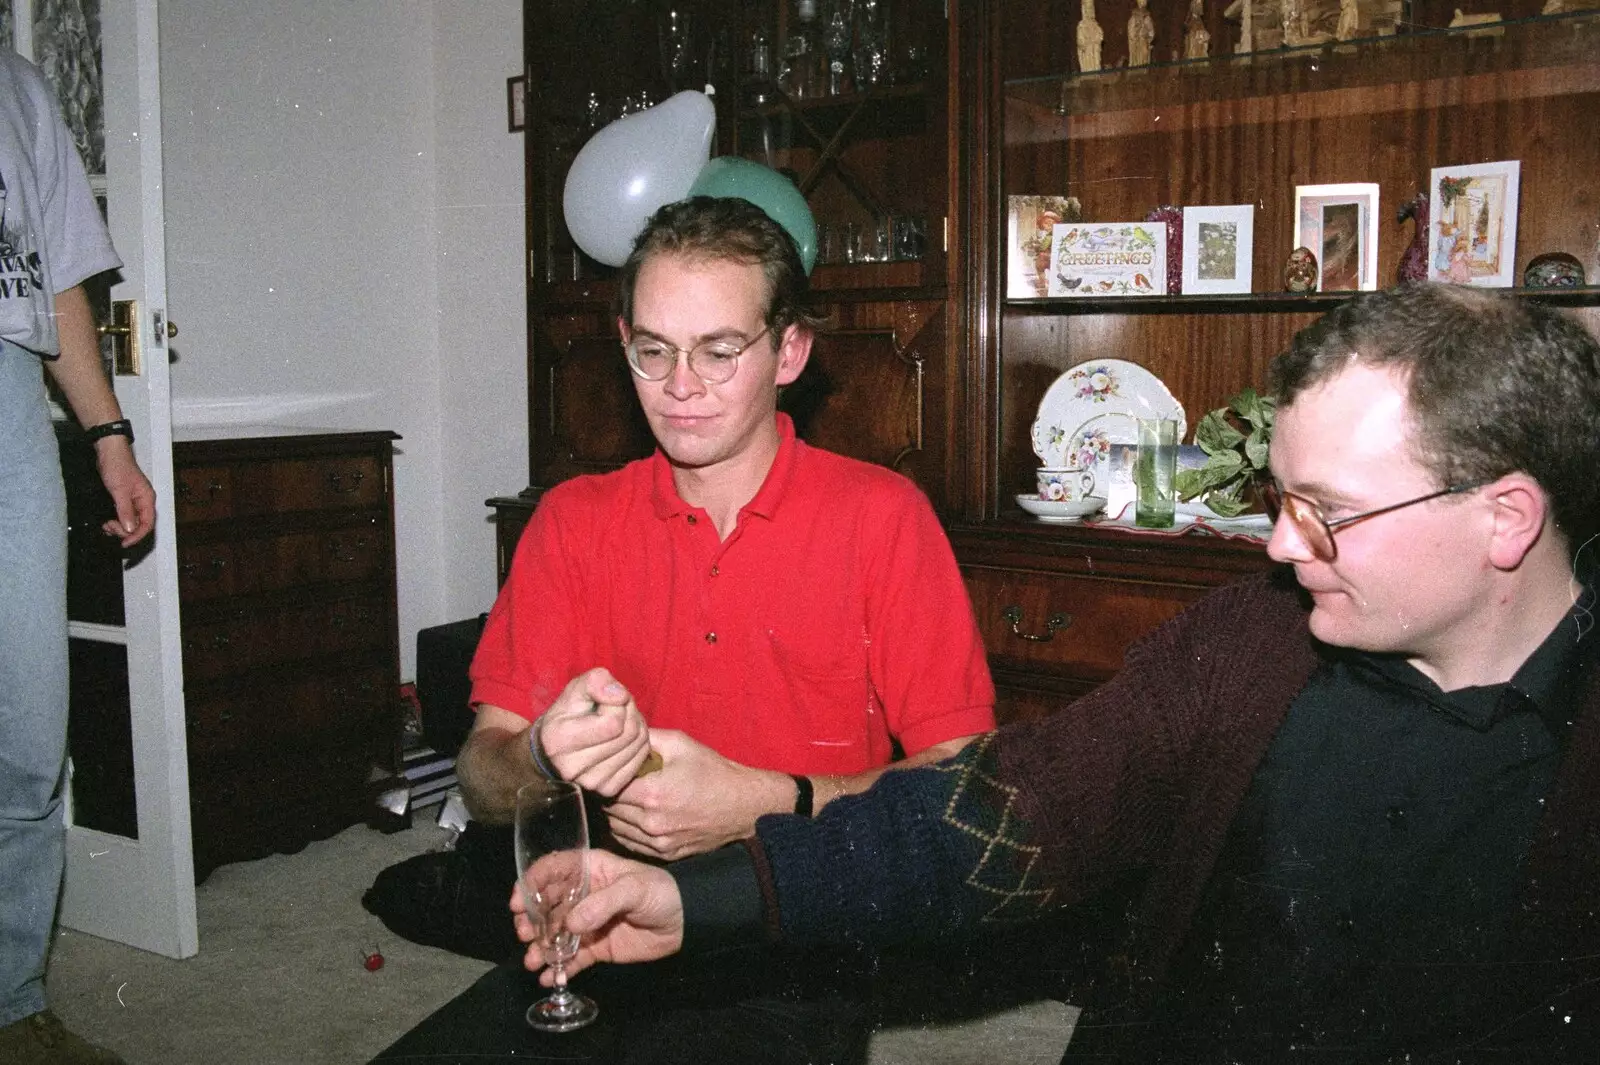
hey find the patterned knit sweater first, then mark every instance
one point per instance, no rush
(1135, 784)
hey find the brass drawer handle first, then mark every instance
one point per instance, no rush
(336, 482)
(209, 571)
(359, 615)
(187, 493)
(1055, 621)
(336, 548)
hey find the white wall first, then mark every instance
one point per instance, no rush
(344, 243)
(483, 310)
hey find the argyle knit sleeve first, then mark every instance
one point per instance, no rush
(925, 854)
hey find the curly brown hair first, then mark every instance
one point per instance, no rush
(1495, 384)
(727, 229)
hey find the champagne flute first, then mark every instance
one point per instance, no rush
(552, 847)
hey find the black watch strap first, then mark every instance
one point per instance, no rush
(802, 795)
(120, 427)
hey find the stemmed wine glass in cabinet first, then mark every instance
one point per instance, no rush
(552, 848)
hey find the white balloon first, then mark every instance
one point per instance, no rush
(632, 167)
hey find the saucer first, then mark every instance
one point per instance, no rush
(1062, 510)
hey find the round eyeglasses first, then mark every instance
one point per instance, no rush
(1317, 531)
(714, 362)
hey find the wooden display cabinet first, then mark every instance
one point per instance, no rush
(1228, 129)
(932, 370)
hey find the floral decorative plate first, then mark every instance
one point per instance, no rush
(1093, 405)
(1061, 509)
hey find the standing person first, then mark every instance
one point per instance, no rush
(51, 239)
(773, 619)
(1353, 820)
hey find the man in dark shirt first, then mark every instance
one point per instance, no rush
(1352, 818)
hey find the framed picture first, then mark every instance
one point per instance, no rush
(1218, 248)
(1339, 223)
(1472, 238)
(1089, 259)
(516, 103)
(1030, 228)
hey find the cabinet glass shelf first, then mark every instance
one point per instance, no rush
(783, 102)
(1258, 302)
(1362, 72)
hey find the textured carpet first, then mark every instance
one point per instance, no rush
(280, 979)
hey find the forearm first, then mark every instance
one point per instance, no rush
(923, 855)
(78, 372)
(827, 788)
(491, 765)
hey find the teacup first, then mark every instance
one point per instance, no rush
(1065, 483)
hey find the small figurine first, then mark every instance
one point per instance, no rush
(1141, 32)
(1196, 38)
(1247, 29)
(1090, 35)
(1300, 273)
(1349, 20)
(1294, 24)
(1414, 260)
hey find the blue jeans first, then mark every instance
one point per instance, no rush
(33, 681)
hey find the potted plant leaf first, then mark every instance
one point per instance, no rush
(1235, 439)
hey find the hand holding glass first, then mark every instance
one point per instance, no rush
(552, 847)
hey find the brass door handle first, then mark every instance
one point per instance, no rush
(126, 358)
(1054, 622)
(124, 330)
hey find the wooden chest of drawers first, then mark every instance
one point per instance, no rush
(1058, 607)
(286, 577)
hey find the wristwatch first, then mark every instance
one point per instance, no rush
(802, 795)
(120, 427)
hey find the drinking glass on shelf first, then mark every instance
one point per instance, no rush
(836, 42)
(551, 840)
(877, 243)
(909, 233)
(853, 243)
(676, 34)
(830, 243)
(758, 68)
(872, 45)
(1155, 471)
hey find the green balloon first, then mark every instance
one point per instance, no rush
(731, 176)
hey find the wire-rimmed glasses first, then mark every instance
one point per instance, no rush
(1317, 532)
(714, 361)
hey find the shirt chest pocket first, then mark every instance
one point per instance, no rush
(817, 681)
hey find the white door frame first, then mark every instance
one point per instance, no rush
(140, 891)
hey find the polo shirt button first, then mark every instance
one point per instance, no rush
(711, 637)
(693, 520)
(1397, 818)
(715, 572)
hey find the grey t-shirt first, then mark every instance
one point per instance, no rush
(51, 234)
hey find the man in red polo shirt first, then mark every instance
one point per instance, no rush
(769, 617)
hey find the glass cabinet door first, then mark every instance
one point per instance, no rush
(846, 97)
